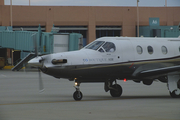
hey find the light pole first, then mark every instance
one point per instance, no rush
(11, 26)
(11, 12)
(165, 3)
(137, 19)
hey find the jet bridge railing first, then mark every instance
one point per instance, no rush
(18, 40)
(25, 41)
(23, 62)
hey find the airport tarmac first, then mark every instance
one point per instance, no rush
(21, 100)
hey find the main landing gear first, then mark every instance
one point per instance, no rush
(174, 85)
(115, 89)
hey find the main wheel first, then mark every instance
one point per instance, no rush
(173, 94)
(117, 91)
(77, 95)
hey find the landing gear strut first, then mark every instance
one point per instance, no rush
(174, 85)
(77, 94)
(115, 90)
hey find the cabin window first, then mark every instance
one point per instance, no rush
(109, 47)
(150, 50)
(94, 45)
(164, 50)
(139, 49)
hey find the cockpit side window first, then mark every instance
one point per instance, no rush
(95, 45)
(109, 47)
(101, 50)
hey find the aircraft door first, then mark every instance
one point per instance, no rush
(127, 50)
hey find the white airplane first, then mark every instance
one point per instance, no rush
(108, 59)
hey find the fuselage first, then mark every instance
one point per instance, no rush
(112, 58)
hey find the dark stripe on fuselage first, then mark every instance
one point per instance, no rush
(120, 70)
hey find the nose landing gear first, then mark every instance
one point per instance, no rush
(77, 94)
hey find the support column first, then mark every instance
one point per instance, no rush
(6, 20)
(50, 18)
(91, 33)
(1, 2)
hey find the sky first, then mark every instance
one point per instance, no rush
(151, 3)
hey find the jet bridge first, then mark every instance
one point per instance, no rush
(26, 41)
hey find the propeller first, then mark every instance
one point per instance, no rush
(41, 86)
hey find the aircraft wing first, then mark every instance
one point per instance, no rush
(156, 72)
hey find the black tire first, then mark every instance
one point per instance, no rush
(173, 94)
(117, 92)
(147, 82)
(77, 95)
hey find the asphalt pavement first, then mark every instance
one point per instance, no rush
(20, 99)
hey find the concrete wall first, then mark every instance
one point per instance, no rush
(90, 16)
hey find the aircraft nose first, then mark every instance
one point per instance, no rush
(36, 62)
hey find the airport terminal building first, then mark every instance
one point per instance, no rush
(93, 21)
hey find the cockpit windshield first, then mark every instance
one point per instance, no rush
(101, 46)
(109, 47)
(95, 45)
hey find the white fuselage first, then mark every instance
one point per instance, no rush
(108, 59)
(129, 51)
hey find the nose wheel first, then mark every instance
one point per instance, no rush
(77, 94)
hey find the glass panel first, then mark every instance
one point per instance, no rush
(94, 45)
(139, 49)
(102, 31)
(150, 50)
(109, 47)
(164, 50)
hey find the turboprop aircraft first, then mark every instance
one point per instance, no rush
(109, 59)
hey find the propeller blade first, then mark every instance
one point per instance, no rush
(41, 86)
(35, 45)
